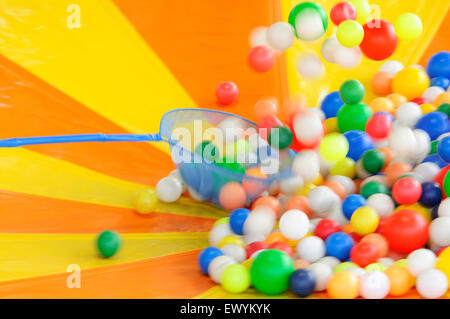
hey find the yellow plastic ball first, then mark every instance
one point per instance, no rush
(410, 82)
(231, 240)
(408, 26)
(333, 147)
(425, 212)
(145, 201)
(363, 9)
(306, 189)
(364, 220)
(319, 180)
(427, 108)
(443, 262)
(350, 33)
(344, 167)
(331, 125)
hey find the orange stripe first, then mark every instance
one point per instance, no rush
(206, 42)
(440, 42)
(23, 213)
(176, 276)
(30, 107)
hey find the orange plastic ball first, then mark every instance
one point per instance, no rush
(395, 170)
(348, 228)
(382, 83)
(299, 202)
(232, 196)
(379, 241)
(269, 201)
(401, 280)
(397, 99)
(274, 237)
(337, 188)
(250, 185)
(343, 285)
(382, 104)
(301, 264)
(265, 107)
(442, 98)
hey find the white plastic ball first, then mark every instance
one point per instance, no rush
(217, 266)
(392, 67)
(306, 165)
(219, 232)
(258, 37)
(386, 261)
(292, 184)
(311, 249)
(252, 237)
(402, 142)
(317, 111)
(427, 171)
(176, 174)
(328, 49)
(331, 261)
(432, 93)
(374, 285)
(310, 67)
(313, 223)
(232, 129)
(382, 203)
(420, 260)
(294, 224)
(444, 208)
(322, 273)
(348, 58)
(169, 189)
(336, 213)
(309, 25)
(432, 284)
(260, 221)
(440, 231)
(360, 171)
(423, 145)
(346, 182)
(321, 199)
(280, 36)
(234, 251)
(408, 114)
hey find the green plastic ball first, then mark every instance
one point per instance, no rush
(373, 161)
(373, 187)
(444, 108)
(270, 271)
(304, 10)
(353, 117)
(376, 267)
(344, 266)
(280, 137)
(108, 243)
(433, 148)
(208, 151)
(352, 92)
(236, 279)
(231, 165)
(447, 184)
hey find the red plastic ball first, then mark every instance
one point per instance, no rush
(439, 178)
(266, 124)
(364, 253)
(380, 40)
(419, 100)
(381, 225)
(261, 58)
(343, 11)
(356, 238)
(281, 246)
(254, 247)
(406, 231)
(379, 126)
(406, 191)
(326, 227)
(227, 92)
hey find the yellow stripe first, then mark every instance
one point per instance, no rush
(104, 64)
(31, 255)
(25, 171)
(408, 52)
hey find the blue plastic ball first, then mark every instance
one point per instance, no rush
(302, 282)
(358, 143)
(206, 256)
(436, 159)
(331, 104)
(339, 245)
(434, 123)
(440, 81)
(431, 194)
(443, 148)
(237, 220)
(439, 65)
(434, 212)
(352, 203)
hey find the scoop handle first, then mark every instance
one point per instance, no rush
(97, 137)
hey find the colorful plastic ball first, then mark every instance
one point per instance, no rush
(392, 67)
(363, 10)
(218, 265)
(432, 93)
(261, 221)
(434, 123)
(359, 142)
(280, 137)
(382, 203)
(352, 92)
(373, 161)
(375, 267)
(403, 142)
(169, 189)
(294, 224)
(401, 280)
(347, 58)
(353, 117)
(145, 201)
(420, 260)
(331, 104)
(237, 220)
(227, 93)
(264, 108)
(431, 194)
(382, 83)
(428, 107)
(444, 108)
(232, 196)
(219, 232)
(364, 253)
(302, 282)
(343, 285)
(443, 262)
(255, 247)
(321, 199)
(364, 220)
(379, 42)
(339, 245)
(374, 285)
(345, 167)
(231, 240)
(281, 247)
(350, 33)
(306, 165)
(322, 273)
(419, 100)
(352, 203)
(261, 58)
(406, 191)
(442, 98)
(439, 231)
(328, 49)
(408, 114)
(382, 104)
(280, 36)
(310, 66)
(108, 243)
(268, 201)
(408, 26)
(444, 208)
(326, 227)
(406, 231)
(440, 81)
(373, 187)
(379, 241)
(432, 284)
(235, 278)
(410, 82)
(439, 65)
(333, 147)
(309, 20)
(308, 127)
(206, 256)
(344, 266)
(270, 272)
(443, 148)
(343, 11)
